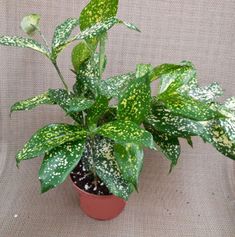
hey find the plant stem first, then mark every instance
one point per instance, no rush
(61, 76)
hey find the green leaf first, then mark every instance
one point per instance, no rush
(32, 102)
(230, 104)
(97, 110)
(23, 43)
(114, 86)
(58, 163)
(169, 147)
(190, 141)
(134, 103)
(181, 74)
(88, 76)
(126, 132)
(165, 122)
(78, 104)
(229, 127)
(188, 107)
(107, 169)
(94, 31)
(47, 138)
(97, 29)
(130, 161)
(65, 101)
(61, 35)
(143, 69)
(206, 94)
(219, 138)
(97, 11)
(80, 54)
(30, 24)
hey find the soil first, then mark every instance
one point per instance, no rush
(85, 180)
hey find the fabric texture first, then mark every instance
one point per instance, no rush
(196, 200)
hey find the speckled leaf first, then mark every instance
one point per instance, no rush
(114, 86)
(143, 69)
(181, 74)
(88, 75)
(230, 104)
(126, 132)
(47, 138)
(78, 104)
(23, 43)
(64, 100)
(97, 110)
(32, 102)
(134, 103)
(218, 137)
(130, 161)
(80, 54)
(97, 11)
(97, 29)
(58, 163)
(229, 127)
(188, 107)
(169, 146)
(61, 35)
(108, 171)
(206, 94)
(172, 125)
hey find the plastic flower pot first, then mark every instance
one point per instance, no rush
(100, 207)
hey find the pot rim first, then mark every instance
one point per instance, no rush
(91, 194)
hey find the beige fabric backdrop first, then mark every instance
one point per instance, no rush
(197, 199)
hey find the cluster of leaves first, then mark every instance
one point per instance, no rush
(110, 137)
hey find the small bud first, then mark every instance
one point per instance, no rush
(30, 23)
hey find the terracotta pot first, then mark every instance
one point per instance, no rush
(104, 207)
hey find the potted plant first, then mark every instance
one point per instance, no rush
(102, 151)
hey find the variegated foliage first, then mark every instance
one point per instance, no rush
(107, 135)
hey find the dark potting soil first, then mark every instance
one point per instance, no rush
(85, 180)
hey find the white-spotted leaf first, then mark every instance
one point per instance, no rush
(61, 35)
(126, 132)
(114, 86)
(97, 11)
(107, 168)
(32, 102)
(58, 163)
(164, 121)
(22, 42)
(169, 147)
(130, 161)
(188, 107)
(47, 138)
(134, 103)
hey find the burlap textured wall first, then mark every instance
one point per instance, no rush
(197, 199)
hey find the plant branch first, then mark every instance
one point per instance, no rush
(61, 76)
